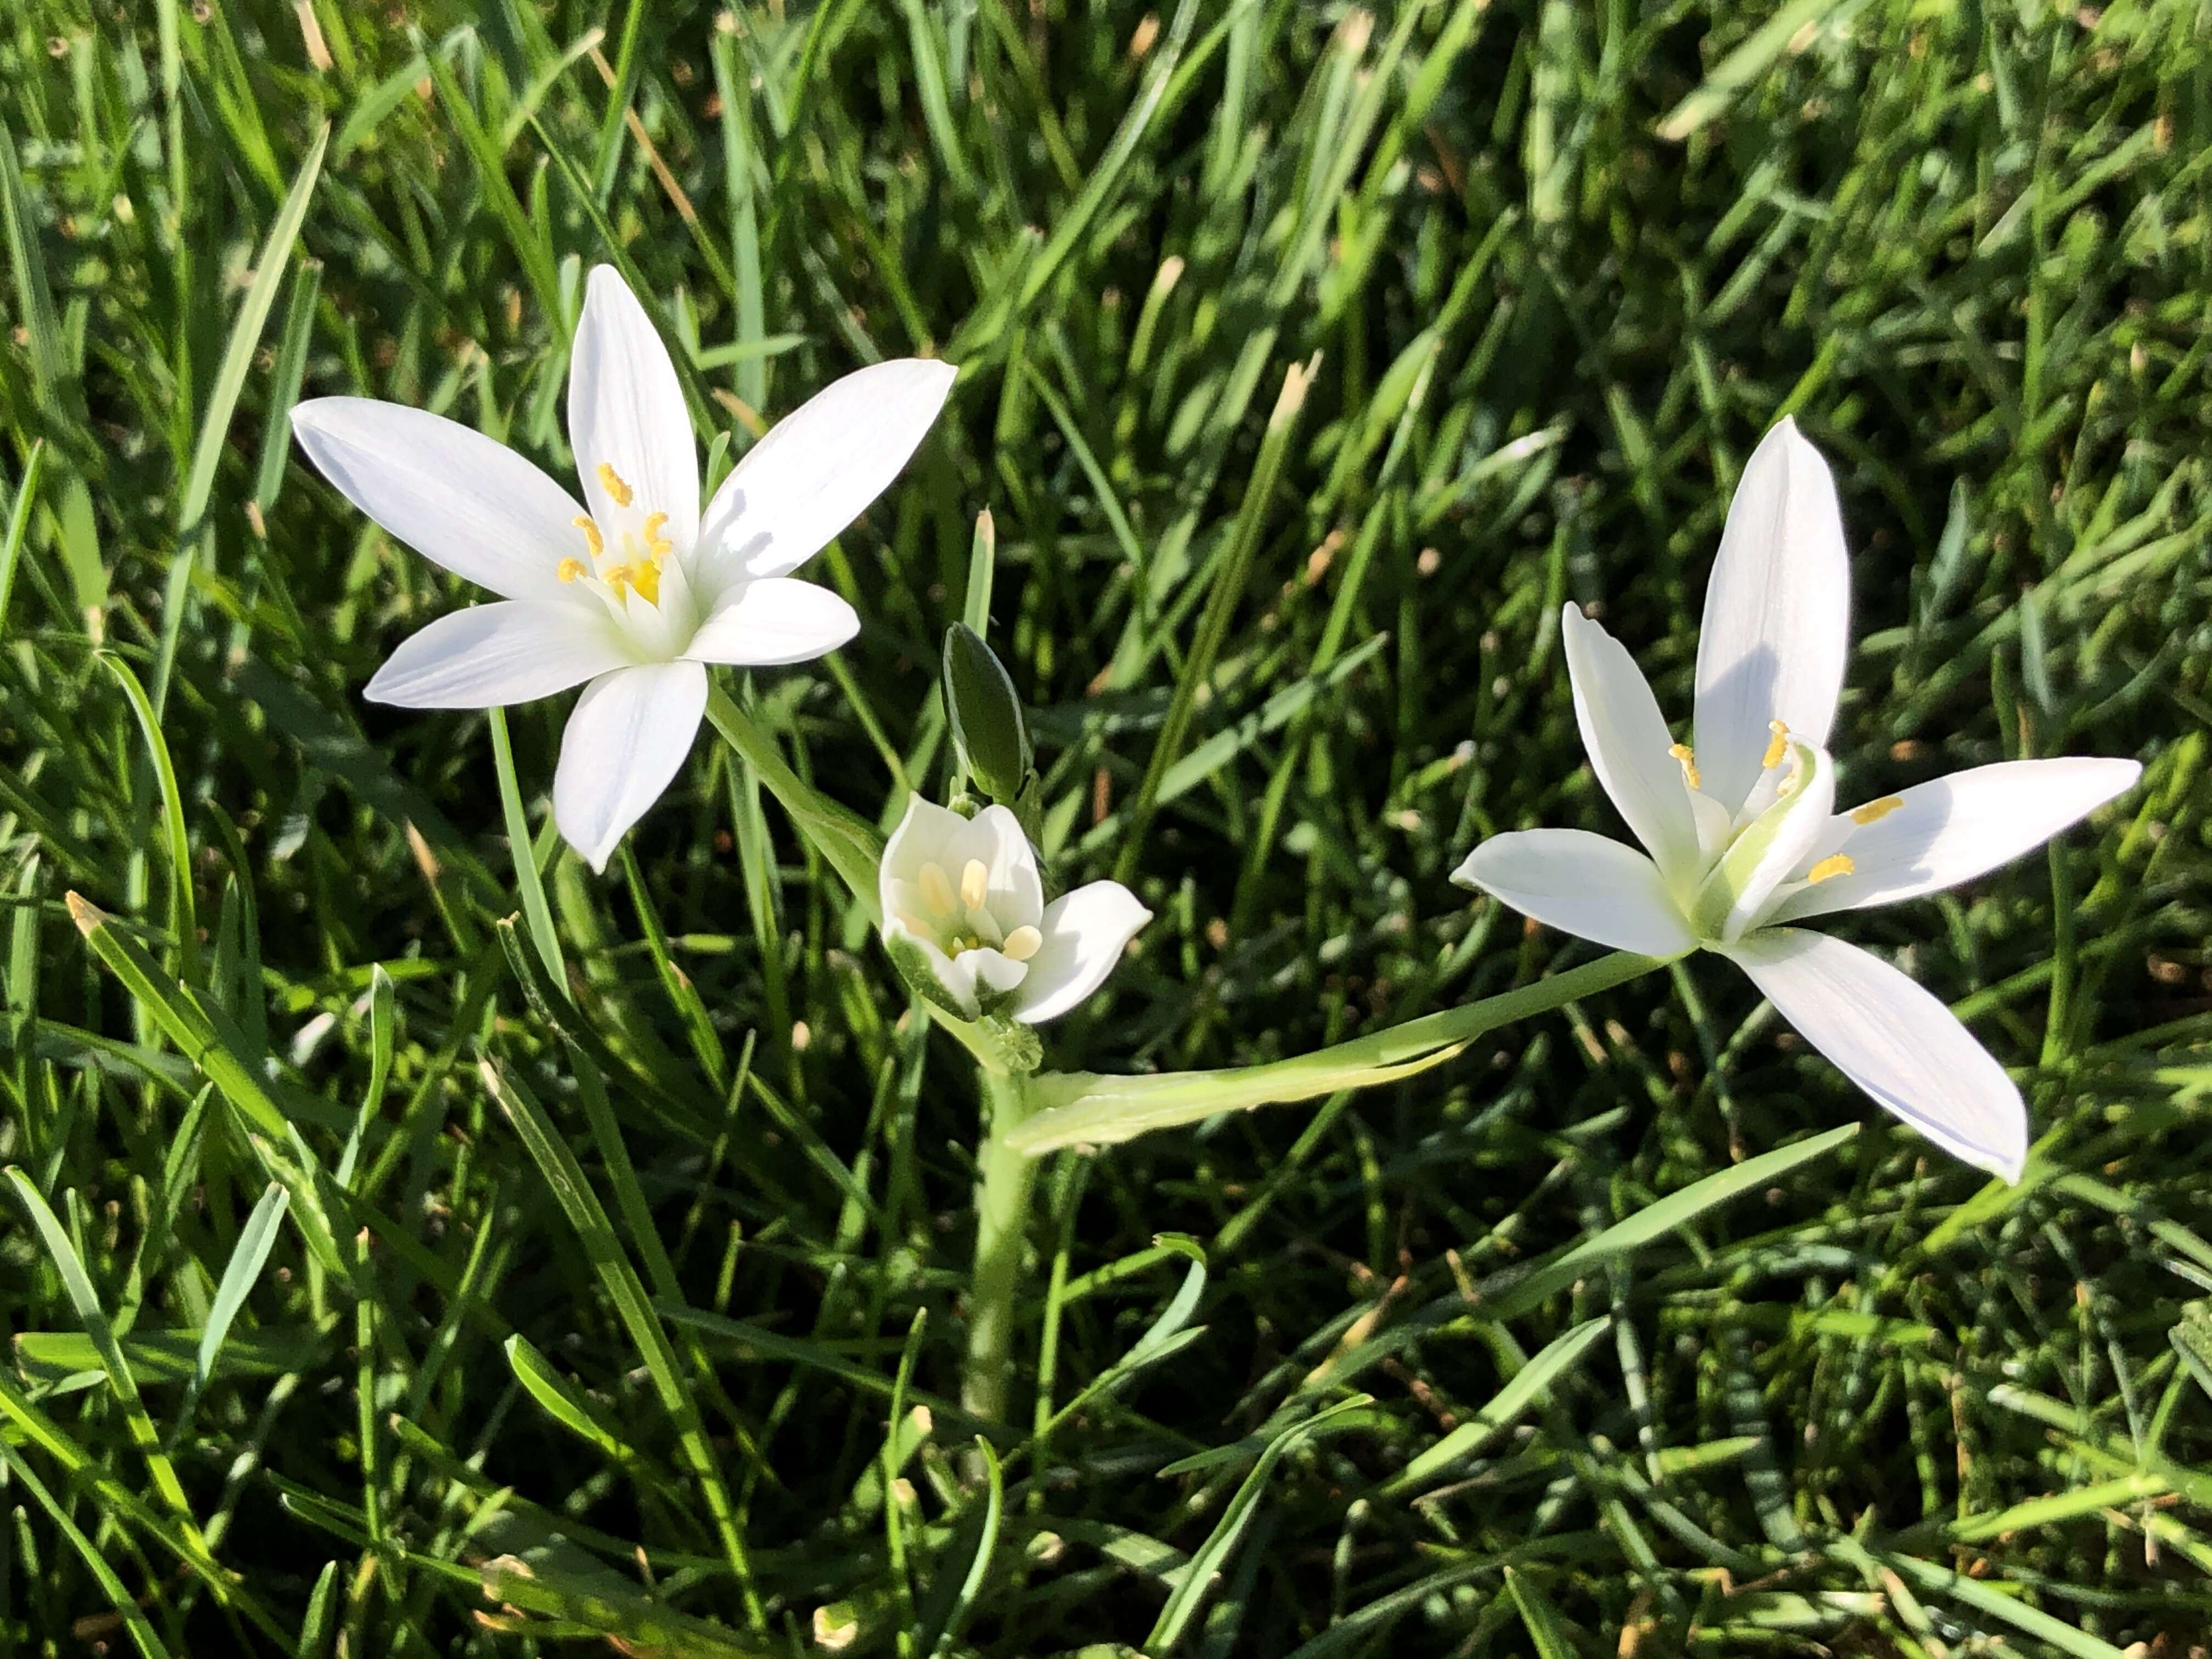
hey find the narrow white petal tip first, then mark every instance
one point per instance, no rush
(1894, 1040)
(605, 283)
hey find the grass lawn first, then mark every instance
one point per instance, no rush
(377, 1291)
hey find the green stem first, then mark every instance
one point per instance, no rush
(1005, 1180)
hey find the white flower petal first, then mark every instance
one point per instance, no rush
(1629, 749)
(1084, 934)
(992, 968)
(1778, 615)
(819, 467)
(490, 655)
(1895, 1041)
(762, 624)
(927, 834)
(1017, 892)
(626, 740)
(1951, 830)
(626, 411)
(450, 493)
(1588, 885)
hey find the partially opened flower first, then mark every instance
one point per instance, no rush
(1741, 829)
(965, 918)
(637, 594)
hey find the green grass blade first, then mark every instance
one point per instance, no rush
(184, 921)
(245, 337)
(1207, 1561)
(536, 913)
(86, 1303)
(573, 1192)
(247, 1258)
(1523, 1390)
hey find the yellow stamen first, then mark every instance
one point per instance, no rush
(1836, 863)
(975, 884)
(655, 543)
(1681, 752)
(1875, 811)
(1780, 745)
(1022, 943)
(936, 890)
(612, 481)
(572, 569)
(592, 536)
(615, 576)
(645, 576)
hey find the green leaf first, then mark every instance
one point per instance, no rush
(1087, 1109)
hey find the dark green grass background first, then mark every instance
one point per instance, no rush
(1558, 266)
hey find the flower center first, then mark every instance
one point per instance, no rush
(959, 917)
(635, 562)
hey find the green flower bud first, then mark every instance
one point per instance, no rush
(987, 729)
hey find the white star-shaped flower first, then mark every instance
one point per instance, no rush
(632, 594)
(1741, 826)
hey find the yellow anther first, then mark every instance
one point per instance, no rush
(656, 542)
(915, 924)
(1836, 863)
(612, 481)
(645, 576)
(936, 890)
(615, 576)
(572, 569)
(975, 884)
(1022, 943)
(1681, 752)
(592, 536)
(1778, 747)
(1875, 811)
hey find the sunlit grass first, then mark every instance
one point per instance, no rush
(639, 1317)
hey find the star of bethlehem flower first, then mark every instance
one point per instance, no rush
(633, 591)
(1741, 828)
(965, 918)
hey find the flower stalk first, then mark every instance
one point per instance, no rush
(1006, 1178)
